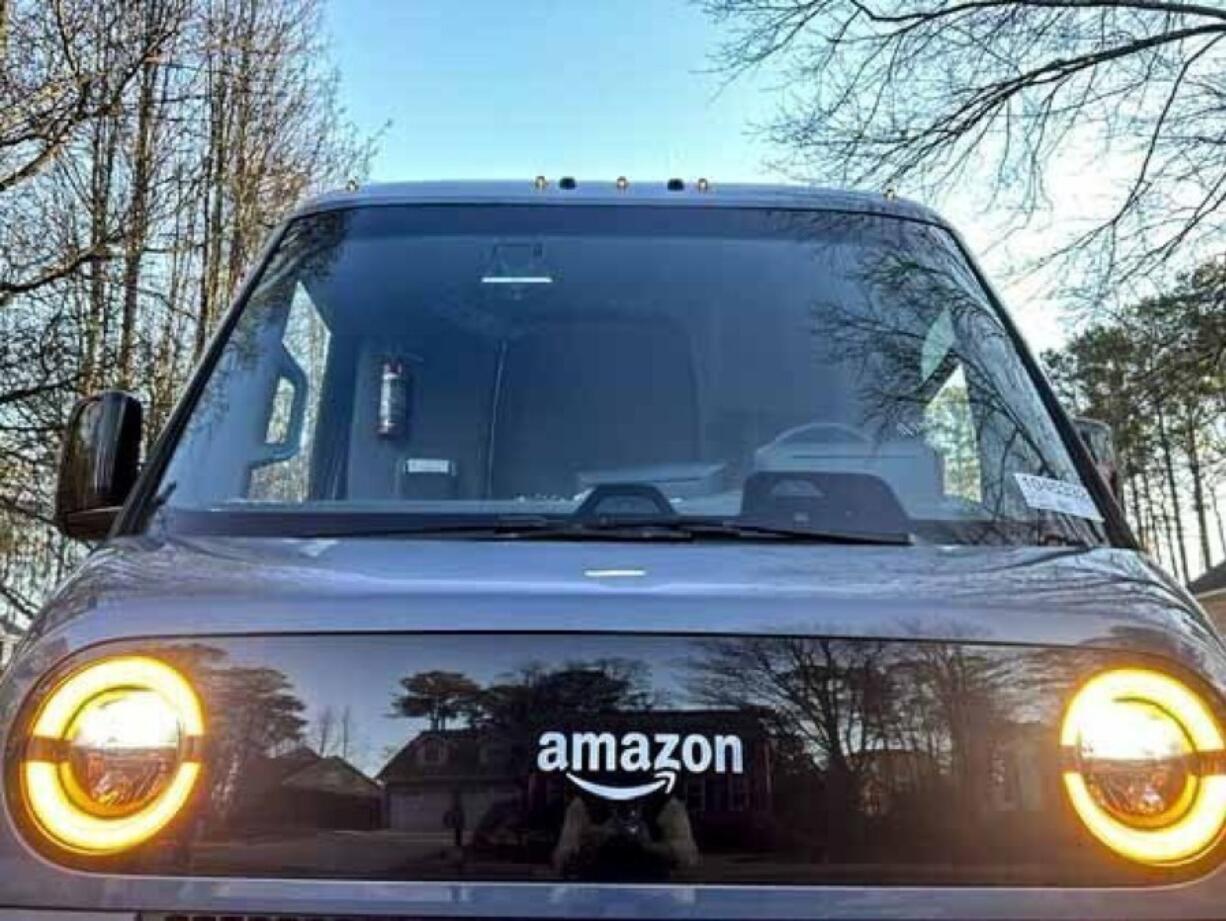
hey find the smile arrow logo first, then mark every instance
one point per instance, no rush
(665, 780)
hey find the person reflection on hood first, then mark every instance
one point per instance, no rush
(645, 840)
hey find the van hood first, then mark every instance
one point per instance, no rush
(1050, 596)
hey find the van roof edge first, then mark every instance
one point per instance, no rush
(530, 190)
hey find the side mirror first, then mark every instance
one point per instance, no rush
(99, 461)
(1100, 441)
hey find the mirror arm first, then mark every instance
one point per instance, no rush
(92, 525)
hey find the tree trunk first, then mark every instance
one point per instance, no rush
(1134, 493)
(1164, 533)
(162, 379)
(1169, 466)
(202, 309)
(1151, 525)
(1217, 514)
(138, 212)
(243, 183)
(216, 162)
(215, 232)
(4, 32)
(104, 141)
(1198, 494)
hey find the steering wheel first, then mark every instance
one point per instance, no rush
(801, 434)
(634, 495)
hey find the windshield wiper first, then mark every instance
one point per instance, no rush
(737, 529)
(630, 529)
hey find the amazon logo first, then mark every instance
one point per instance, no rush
(662, 755)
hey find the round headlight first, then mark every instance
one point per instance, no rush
(1144, 766)
(113, 754)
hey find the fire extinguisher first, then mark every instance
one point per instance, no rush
(393, 399)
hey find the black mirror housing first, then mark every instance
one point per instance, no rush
(99, 463)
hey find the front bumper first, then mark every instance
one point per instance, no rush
(35, 914)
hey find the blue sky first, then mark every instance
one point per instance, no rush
(590, 88)
(510, 88)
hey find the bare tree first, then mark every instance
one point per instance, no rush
(145, 149)
(933, 94)
(67, 65)
(1153, 371)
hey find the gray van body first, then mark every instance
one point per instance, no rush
(141, 586)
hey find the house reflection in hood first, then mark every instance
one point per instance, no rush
(303, 789)
(447, 779)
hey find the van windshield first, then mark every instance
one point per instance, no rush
(529, 369)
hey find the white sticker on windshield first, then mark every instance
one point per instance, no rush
(1057, 496)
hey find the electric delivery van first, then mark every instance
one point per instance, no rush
(626, 550)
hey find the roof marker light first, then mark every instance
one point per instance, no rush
(540, 183)
(622, 183)
(704, 185)
(568, 183)
(675, 185)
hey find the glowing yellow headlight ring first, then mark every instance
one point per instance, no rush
(1200, 826)
(51, 804)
